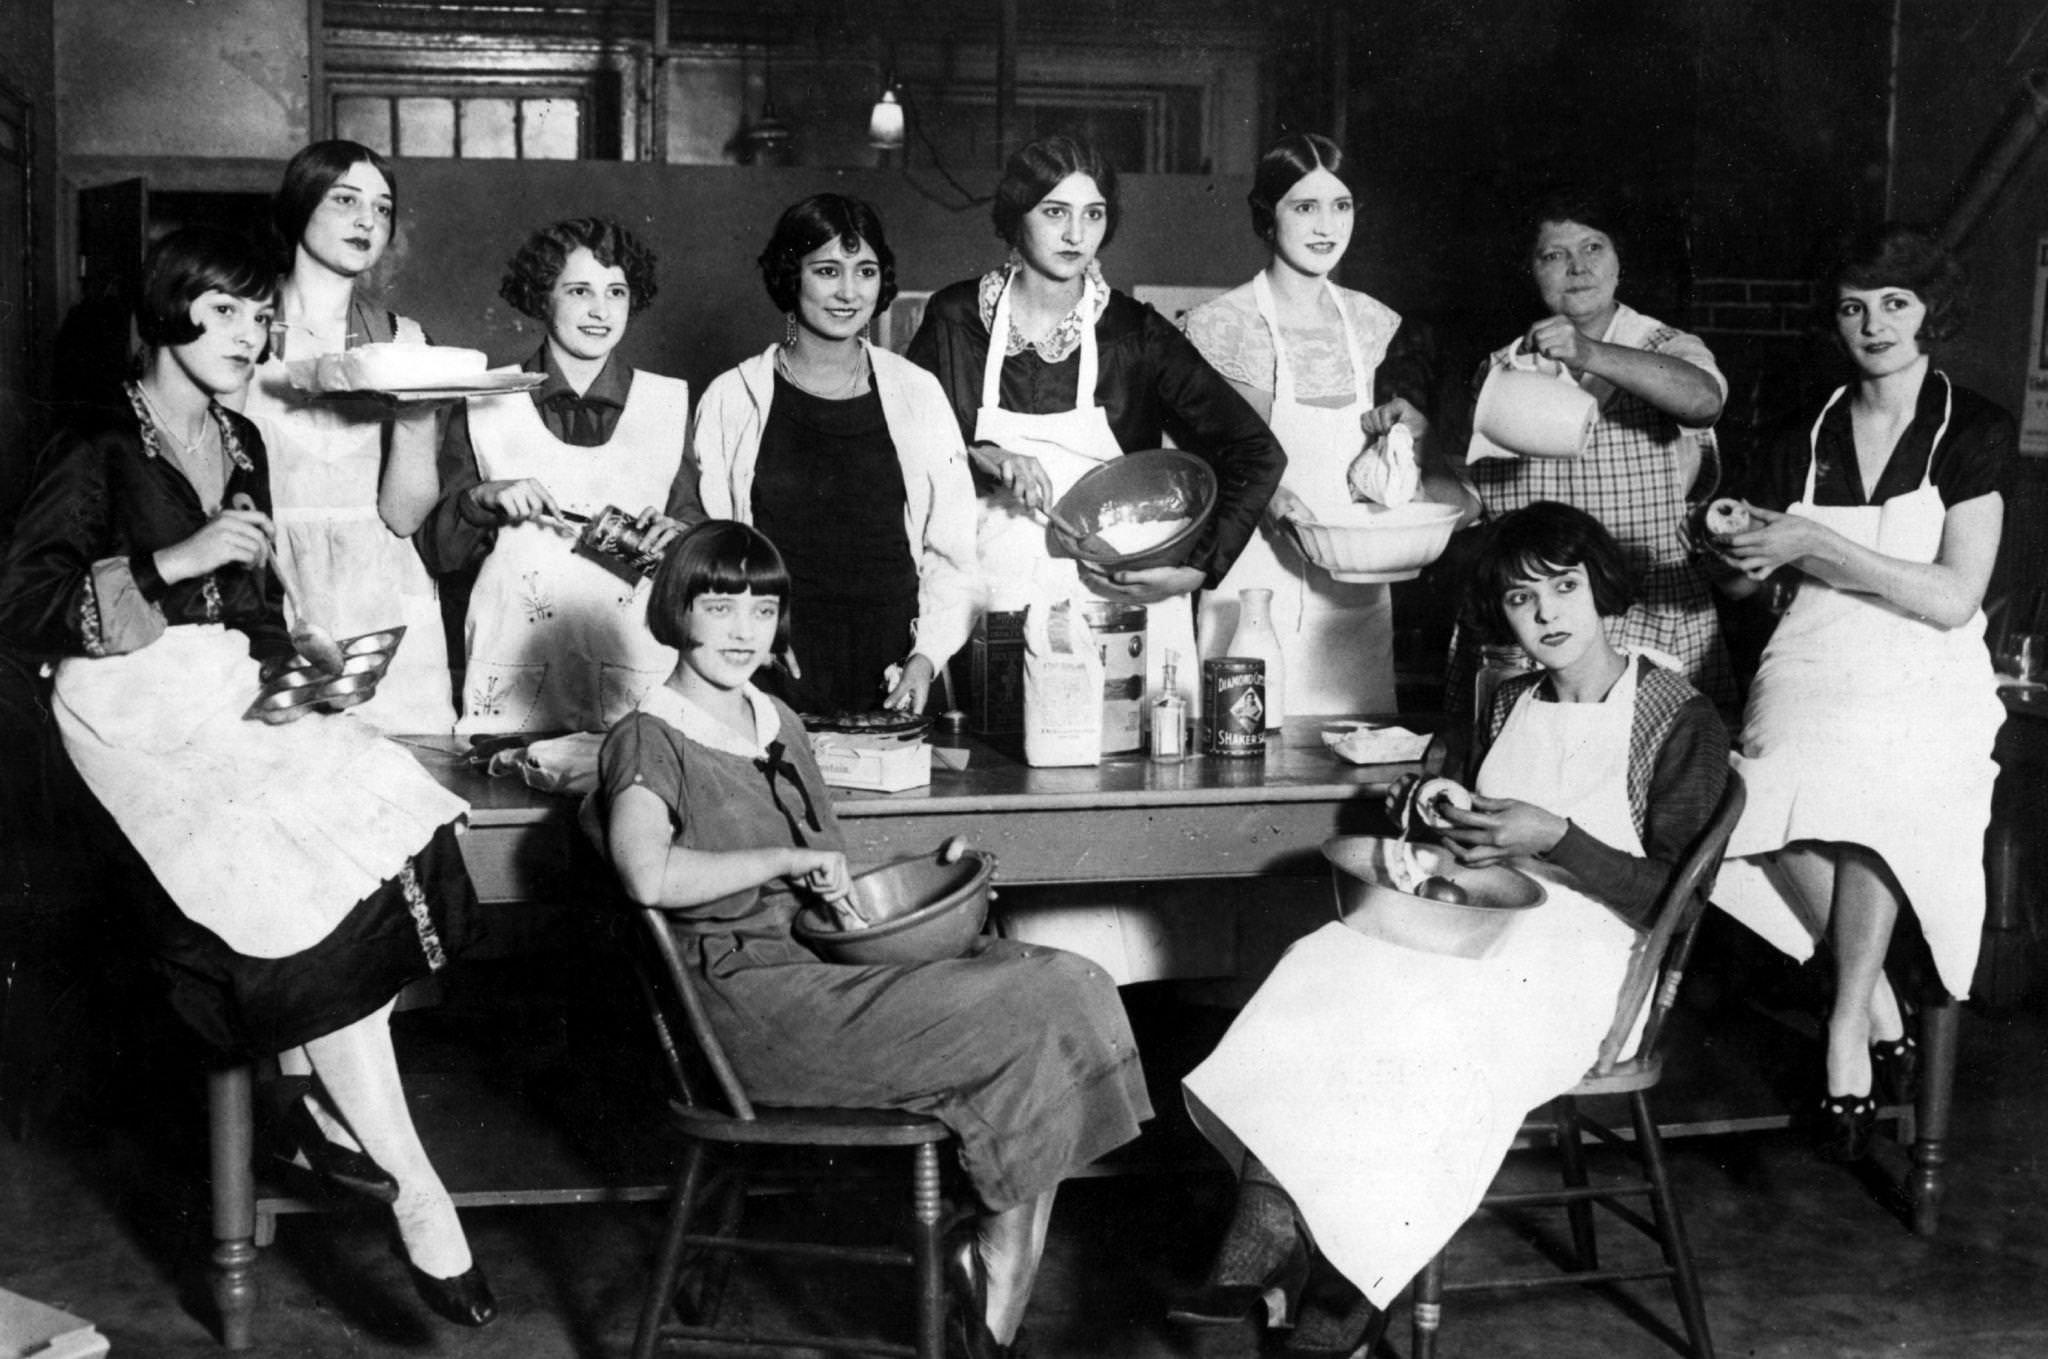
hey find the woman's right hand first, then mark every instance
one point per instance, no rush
(231, 538)
(514, 502)
(1020, 474)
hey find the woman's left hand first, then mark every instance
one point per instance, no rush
(1385, 416)
(657, 530)
(1501, 828)
(1558, 339)
(1774, 539)
(1147, 586)
(909, 685)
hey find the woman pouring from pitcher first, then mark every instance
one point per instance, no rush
(1051, 372)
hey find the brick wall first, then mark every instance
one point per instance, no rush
(1752, 306)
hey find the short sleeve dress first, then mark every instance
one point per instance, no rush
(1023, 1051)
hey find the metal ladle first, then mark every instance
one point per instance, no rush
(309, 639)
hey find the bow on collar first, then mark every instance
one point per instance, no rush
(777, 763)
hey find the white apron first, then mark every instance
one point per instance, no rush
(326, 458)
(266, 835)
(1868, 726)
(1383, 1086)
(555, 641)
(1131, 943)
(1337, 637)
(1068, 444)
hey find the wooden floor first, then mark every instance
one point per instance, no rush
(102, 1212)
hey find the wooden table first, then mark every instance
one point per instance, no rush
(1126, 820)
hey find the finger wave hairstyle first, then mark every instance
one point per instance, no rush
(806, 225)
(531, 274)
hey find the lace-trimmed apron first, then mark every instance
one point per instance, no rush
(1337, 637)
(1868, 726)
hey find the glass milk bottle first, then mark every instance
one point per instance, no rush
(1256, 638)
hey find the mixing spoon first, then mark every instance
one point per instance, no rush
(309, 639)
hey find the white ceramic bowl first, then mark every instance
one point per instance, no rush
(1371, 543)
(1362, 877)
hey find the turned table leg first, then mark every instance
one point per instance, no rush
(1940, 1025)
(231, 1136)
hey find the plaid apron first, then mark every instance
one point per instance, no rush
(1628, 481)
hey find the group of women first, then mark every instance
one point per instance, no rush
(830, 518)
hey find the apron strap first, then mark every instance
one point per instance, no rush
(999, 343)
(1283, 377)
(1948, 410)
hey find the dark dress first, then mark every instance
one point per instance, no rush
(828, 490)
(1024, 1052)
(1150, 382)
(101, 494)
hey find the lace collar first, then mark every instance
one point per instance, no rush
(1065, 337)
(152, 437)
(693, 722)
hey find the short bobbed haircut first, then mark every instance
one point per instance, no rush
(1286, 163)
(1589, 207)
(530, 275)
(1899, 255)
(1545, 538)
(188, 264)
(307, 178)
(1036, 171)
(716, 557)
(816, 221)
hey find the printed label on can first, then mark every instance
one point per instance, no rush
(1234, 697)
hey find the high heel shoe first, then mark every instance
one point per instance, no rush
(1895, 1065)
(1264, 1257)
(298, 1140)
(1336, 1321)
(1844, 1127)
(970, 1295)
(465, 1299)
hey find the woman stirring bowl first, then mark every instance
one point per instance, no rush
(1312, 359)
(1867, 740)
(1652, 449)
(353, 476)
(849, 455)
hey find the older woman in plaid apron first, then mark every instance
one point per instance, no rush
(1652, 452)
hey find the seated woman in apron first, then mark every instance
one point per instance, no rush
(1331, 371)
(1050, 373)
(1651, 455)
(311, 868)
(848, 456)
(352, 476)
(1867, 740)
(556, 638)
(714, 811)
(1369, 1092)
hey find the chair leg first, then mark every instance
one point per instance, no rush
(1571, 1154)
(231, 1140)
(1428, 1308)
(661, 1291)
(927, 1253)
(1685, 1284)
(1940, 1026)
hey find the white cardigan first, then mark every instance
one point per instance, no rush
(938, 500)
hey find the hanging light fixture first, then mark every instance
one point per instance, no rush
(885, 122)
(766, 140)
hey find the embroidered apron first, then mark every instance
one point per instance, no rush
(1383, 1086)
(1067, 444)
(326, 459)
(556, 642)
(1336, 637)
(1869, 726)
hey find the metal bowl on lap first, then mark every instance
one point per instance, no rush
(1142, 510)
(1362, 876)
(922, 909)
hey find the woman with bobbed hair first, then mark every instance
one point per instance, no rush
(354, 476)
(1652, 454)
(305, 872)
(1867, 738)
(848, 456)
(1331, 371)
(1051, 372)
(556, 642)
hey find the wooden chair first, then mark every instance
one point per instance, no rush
(1659, 965)
(727, 1126)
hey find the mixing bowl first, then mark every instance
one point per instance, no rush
(1141, 510)
(1362, 877)
(1368, 543)
(923, 911)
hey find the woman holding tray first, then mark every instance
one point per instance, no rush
(353, 475)
(311, 866)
